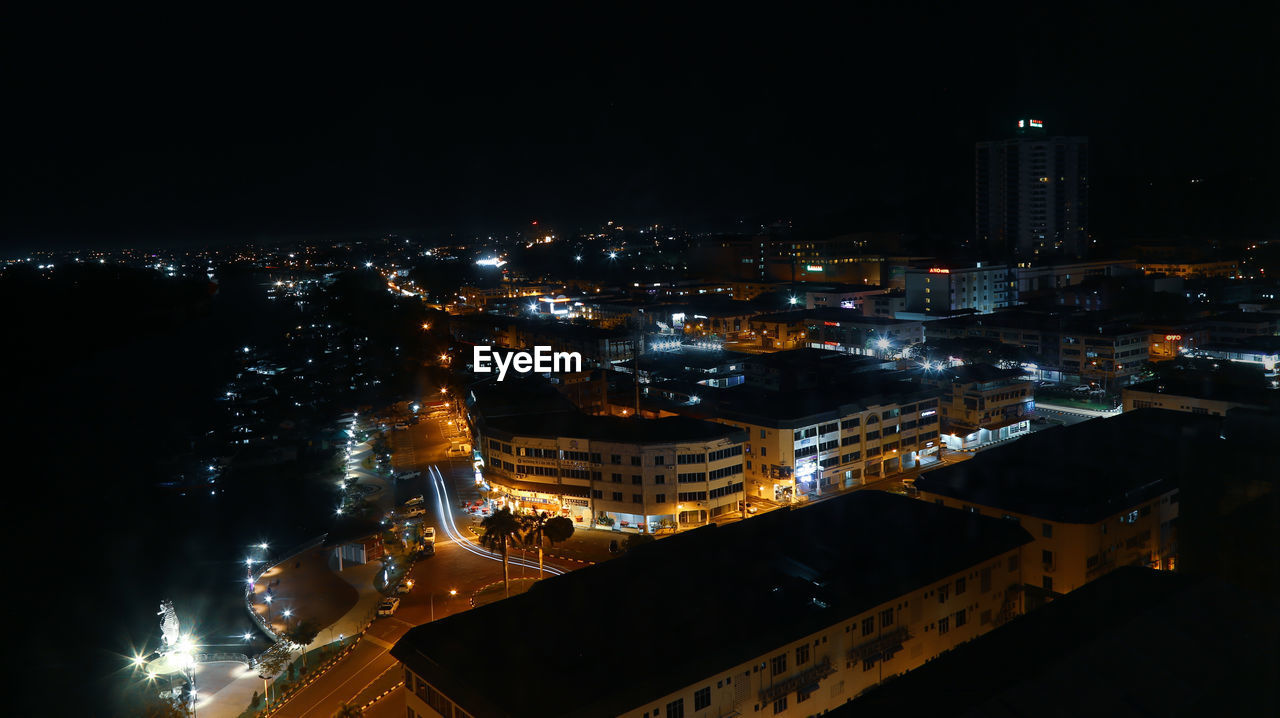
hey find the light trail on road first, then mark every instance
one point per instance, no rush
(450, 528)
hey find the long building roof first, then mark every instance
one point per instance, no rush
(1081, 473)
(616, 635)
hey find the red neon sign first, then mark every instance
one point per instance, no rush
(939, 270)
(832, 324)
(1172, 337)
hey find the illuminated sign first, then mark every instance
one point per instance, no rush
(930, 412)
(939, 270)
(832, 324)
(1022, 123)
(814, 268)
(1172, 337)
(831, 344)
(1036, 123)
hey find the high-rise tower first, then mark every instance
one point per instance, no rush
(1031, 199)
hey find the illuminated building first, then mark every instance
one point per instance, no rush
(640, 474)
(942, 290)
(790, 613)
(1064, 347)
(1192, 270)
(1032, 195)
(842, 330)
(981, 403)
(804, 443)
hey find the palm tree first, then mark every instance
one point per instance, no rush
(347, 711)
(500, 531)
(542, 527)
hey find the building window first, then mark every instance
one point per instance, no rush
(944, 592)
(802, 655)
(660, 479)
(960, 619)
(886, 618)
(660, 498)
(675, 709)
(635, 461)
(780, 705)
(617, 496)
(868, 626)
(659, 461)
(1047, 583)
(1046, 557)
(960, 585)
(1013, 563)
(635, 479)
(779, 664)
(616, 478)
(944, 625)
(637, 499)
(702, 698)
(1047, 531)
(597, 494)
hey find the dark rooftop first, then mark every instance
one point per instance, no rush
(789, 409)
(968, 373)
(806, 569)
(828, 358)
(609, 428)
(1097, 651)
(831, 314)
(1081, 473)
(1067, 322)
(1209, 386)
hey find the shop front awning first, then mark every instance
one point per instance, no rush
(538, 487)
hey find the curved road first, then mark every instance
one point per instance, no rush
(458, 564)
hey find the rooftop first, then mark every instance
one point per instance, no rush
(969, 373)
(574, 424)
(807, 568)
(1081, 473)
(1073, 323)
(831, 314)
(1090, 651)
(1210, 386)
(793, 409)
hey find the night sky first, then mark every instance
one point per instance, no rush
(162, 129)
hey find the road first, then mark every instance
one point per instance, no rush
(458, 565)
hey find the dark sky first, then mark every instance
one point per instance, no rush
(152, 128)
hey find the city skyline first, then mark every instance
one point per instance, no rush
(869, 129)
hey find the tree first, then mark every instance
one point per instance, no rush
(347, 710)
(157, 706)
(501, 530)
(541, 527)
(302, 635)
(635, 540)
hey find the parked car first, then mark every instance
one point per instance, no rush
(389, 606)
(405, 475)
(404, 586)
(429, 534)
(457, 451)
(1082, 389)
(400, 426)
(413, 511)
(415, 501)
